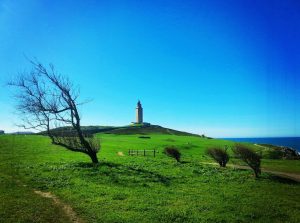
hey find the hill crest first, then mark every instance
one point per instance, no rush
(127, 130)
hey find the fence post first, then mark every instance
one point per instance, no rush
(129, 152)
(137, 152)
(154, 152)
(144, 152)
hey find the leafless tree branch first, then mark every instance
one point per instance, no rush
(46, 99)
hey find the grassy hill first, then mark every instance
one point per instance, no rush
(127, 130)
(147, 129)
(127, 188)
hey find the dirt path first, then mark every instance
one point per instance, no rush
(66, 208)
(120, 154)
(291, 176)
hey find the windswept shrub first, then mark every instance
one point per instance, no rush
(252, 159)
(173, 152)
(219, 155)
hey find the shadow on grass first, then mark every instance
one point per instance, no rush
(187, 146)
(121, 174)
(271, 177)
(281, 179)
(184, 162)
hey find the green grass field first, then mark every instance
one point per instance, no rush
(139, 189)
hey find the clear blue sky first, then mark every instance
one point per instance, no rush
(223, 68)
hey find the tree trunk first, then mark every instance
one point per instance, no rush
(93, 156)
(222, 164)
(257, 172)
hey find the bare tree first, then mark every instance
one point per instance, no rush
(251, 158)
(219, 155)
(47, 100)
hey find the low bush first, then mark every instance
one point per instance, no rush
(275, 154)
(173, 152)
(251, 158)
(219, 155)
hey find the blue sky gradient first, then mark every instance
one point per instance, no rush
(222, 68)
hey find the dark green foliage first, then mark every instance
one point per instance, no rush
(144, 137)
(252, 159)
(87, 130)
(275, 154)
(126, 130)
(173, 152)
(219, 155)
(279, 152)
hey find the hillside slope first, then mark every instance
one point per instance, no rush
(147, 129)
(124, 188)
(127, 130)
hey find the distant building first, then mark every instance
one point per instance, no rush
(2, 132)
(139, 113)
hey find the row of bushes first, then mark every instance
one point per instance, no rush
(221, 156)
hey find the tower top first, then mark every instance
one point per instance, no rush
(139, 105)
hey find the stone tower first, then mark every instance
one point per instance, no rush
(139, 113)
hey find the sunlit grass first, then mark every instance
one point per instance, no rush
(143, 189)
